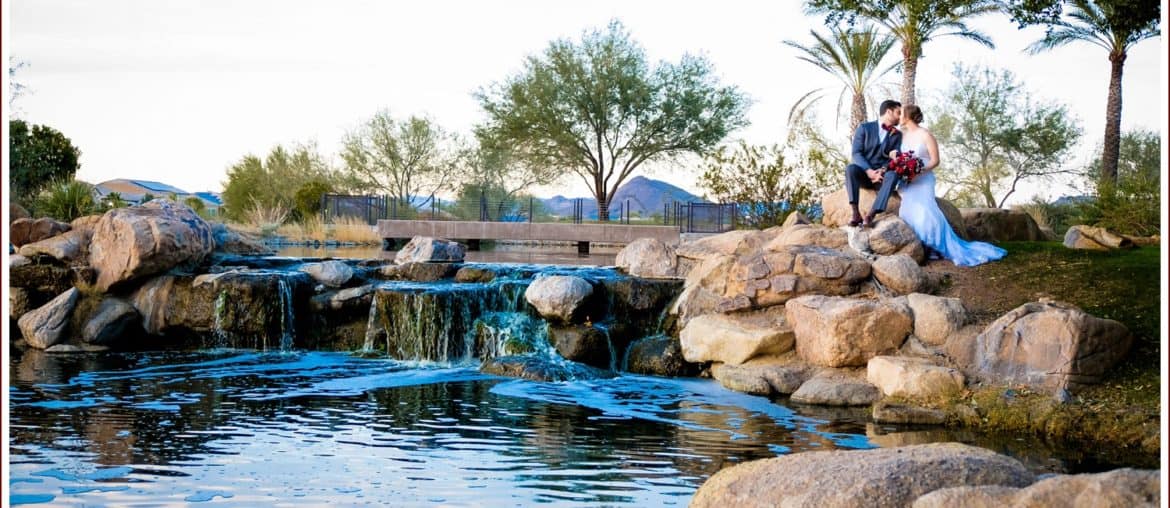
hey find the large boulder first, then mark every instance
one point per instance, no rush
(1117, 488)
(912, 377)
(1049, 345)
(809, 234)
(936, 318)
(841, 332)
(883, 477)
(764, 375)
(836, 389)
(772, 278)
(331, 273)
(648, 257)
(25, 231)
(737, 242)
(71, 247)
(16, 212)
(891, 235)
(558, 298)
(837, 211)
(659, 355)
(954, 218)
(242, 309)
(425, 249)
(110, 323)
(1000, 225)
(136, 242)
(46, 325)
(735, 338)
(1093, 238)
(901, 274)
(419, 272)
(229, 240)
(583, 344)
(542, 368)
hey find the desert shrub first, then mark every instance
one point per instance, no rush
(66, 200)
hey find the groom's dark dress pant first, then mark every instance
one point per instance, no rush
(856, 179)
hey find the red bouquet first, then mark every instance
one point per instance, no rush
(906, 166)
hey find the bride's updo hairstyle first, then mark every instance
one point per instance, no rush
(913, 112)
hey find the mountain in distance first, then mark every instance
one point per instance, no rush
(645, 196)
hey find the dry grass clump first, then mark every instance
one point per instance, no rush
(354, 229)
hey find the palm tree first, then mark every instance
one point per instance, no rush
(1097, 23)
(854, 57)
(914, 23)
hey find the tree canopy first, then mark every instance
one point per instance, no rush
(37, 156)
(996, 136)
(272, 182)
(596, 108)
(913, 22)
(407, 158)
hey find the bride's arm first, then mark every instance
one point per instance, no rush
(932, 149)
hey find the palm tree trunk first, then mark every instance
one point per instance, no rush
(1112, 147)
(858, 110)
(909, 74)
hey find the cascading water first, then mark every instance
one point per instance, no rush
(287, 320)
(440, 322)
(221, 335)
(371, 328)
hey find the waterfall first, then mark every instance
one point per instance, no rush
(220, 335)
(287, 320)
(371, 327)
(609, 343)
(452, 322)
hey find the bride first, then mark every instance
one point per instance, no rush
(919, 208)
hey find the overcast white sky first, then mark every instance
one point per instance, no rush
(178, 91)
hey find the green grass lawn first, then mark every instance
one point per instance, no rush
(1123, 285)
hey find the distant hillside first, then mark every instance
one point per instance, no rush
(646, 197)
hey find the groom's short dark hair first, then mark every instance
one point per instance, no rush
(887, 105)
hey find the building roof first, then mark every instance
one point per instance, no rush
(210, 197)
(126, 186)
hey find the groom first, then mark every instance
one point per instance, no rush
(872, 144)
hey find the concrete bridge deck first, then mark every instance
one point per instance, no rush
(473, 232)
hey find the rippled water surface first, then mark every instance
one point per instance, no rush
(247, 429)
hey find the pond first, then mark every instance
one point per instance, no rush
(247, 428)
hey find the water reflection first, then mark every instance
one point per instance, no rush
(499, 253)
(247, 428)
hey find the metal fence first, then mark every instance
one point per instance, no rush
(688, 217)
(700, 217)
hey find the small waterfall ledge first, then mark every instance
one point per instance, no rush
(474, 313)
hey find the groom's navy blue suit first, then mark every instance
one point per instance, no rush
(871, 150)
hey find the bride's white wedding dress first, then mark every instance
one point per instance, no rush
(921, 212)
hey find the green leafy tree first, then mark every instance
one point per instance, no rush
(996, 136)
(403, 158)
(197, 205)
(1132, 205)
(308, 198)
(913, 22)
(38, 156)
(491, 166)
(1115, 26)
(66, 200)
(271, 183)
(857, 58)
(765, 183)
(596, 108)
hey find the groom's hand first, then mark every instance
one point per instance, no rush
(875, 175)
